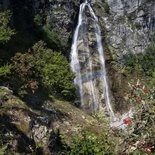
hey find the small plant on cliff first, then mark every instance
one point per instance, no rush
(5, 70)
(5, 31)
(38, 20)
(143, 63)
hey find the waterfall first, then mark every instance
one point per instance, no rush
(89, 64)
(75, 65)
(102, 61)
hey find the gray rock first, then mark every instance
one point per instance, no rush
(128, 25)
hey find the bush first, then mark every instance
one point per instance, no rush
(142, 62)
(91, 144)
(5, 31)
(5, 70)
(141, 133)
(41, 66)
(54, 71)
(53, 38)
(38, 20)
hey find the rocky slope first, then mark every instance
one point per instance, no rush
(26, 129)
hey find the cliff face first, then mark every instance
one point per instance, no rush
(58, 14)
(127, 24)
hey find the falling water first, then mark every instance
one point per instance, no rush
(102, 61)
(88, 77)
(75, 65)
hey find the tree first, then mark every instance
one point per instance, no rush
(44, 67)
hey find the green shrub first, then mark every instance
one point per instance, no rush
(38, 20)
(2, 149)
(141, 133)
(54, 70)
(5, 70)
(53, 38)
(143, 63)
(43, 67)
(91, 144)
(5, 31)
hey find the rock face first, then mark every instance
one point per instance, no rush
(58, 14)
(128, 24)
(127, 27)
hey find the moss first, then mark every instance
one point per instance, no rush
(23, 126)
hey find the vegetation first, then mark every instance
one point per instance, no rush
(140, 138)
(53, 38)
(41, 67)
(39, 70)
(2, 149)
(142, 62)
(90, 144)
(5, 31)
(140, 134)
(5, 70)
(38, 20)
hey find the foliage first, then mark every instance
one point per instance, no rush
(24, 75)
(5, 70)
(54, 70)
(5, 31)
(42, 66)
(2, 149)
(38, 20)
(141, 133)
(91, 144)
(142, 62)
(53, 38)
